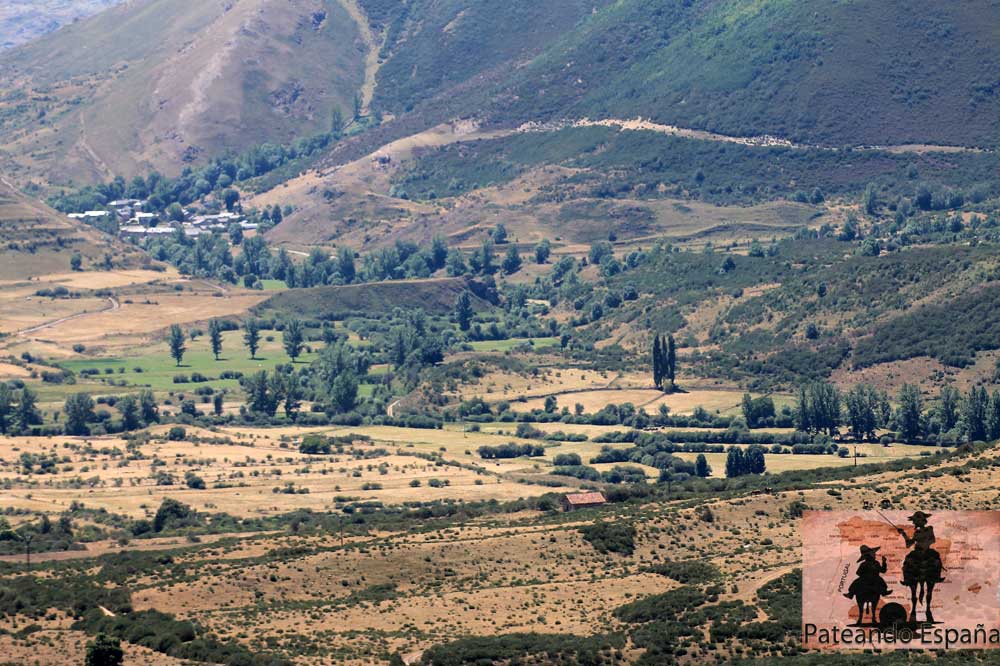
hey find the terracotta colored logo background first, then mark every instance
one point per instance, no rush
(965, 606)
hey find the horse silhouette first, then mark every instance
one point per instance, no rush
(922, 566)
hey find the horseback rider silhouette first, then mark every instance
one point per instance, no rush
(869, 586)
(922, 566)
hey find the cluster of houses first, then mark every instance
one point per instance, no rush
(134, 221)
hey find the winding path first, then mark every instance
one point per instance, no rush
(113, 305)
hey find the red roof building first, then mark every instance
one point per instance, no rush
(575, 501)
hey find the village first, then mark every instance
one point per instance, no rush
(133, 220)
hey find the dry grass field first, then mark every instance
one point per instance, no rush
(416, 587)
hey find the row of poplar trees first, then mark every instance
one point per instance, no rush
(664, 362)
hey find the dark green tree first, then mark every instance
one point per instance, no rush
(128, 406)
(345, 264)
(293, 338)
(292, 395)
(910, 413)
(464, 311)
(148, 409)
(657, 363)
(993, 418)
(754, 460)
(512, 261)
(79, 411)
(735, 462)
(104, 650)
(176, 342)
(947, 408)
(974, 414)
(6, 407)
(215, 337)
(863, 412)
(251, 336)
(26, 414)
(543, 251)
(670, 364)
(344, 392)
(701, 467)
(230, 198)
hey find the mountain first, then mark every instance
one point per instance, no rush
(838, 73)
(24, 20)
(158, 84)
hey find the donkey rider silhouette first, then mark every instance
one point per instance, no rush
(869, 586)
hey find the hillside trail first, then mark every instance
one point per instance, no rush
(98, 162)
(372, 49)
(764, 140)
(113, 305)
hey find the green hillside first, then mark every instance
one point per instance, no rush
(845, 73)
(432, 46)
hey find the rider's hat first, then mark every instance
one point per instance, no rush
(866, 551)
(917, 515)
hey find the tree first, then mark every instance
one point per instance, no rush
(293, 338)
(500, 234)
(947, 407)
(337, 122)
(670, 365)
(251, 336)
(344, 392)
(218, 402)
(735, 463)
(230, 198)
(276, 215)
(175, 213)
(262, 393)
(104, 650)
(993, 417)
(75, 261)
(512, 262)
(292, 395)
(26, 414)
(818, 408)
(235, 233)
(215, 337)
(862, 411)
(599, 250)
(439, 252)
(701, 467)
(974, 414)
(754, 460)
(551, 404)
(487, 260)
(909, 413)
(657, 363)
(79, 410)
(542, 251)
(464, 311)
(757, 411)
(148, 410)
(455, 264)
(871, 199)
(176, 341)
(129, 408)
(6, 406)
(345, 264)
